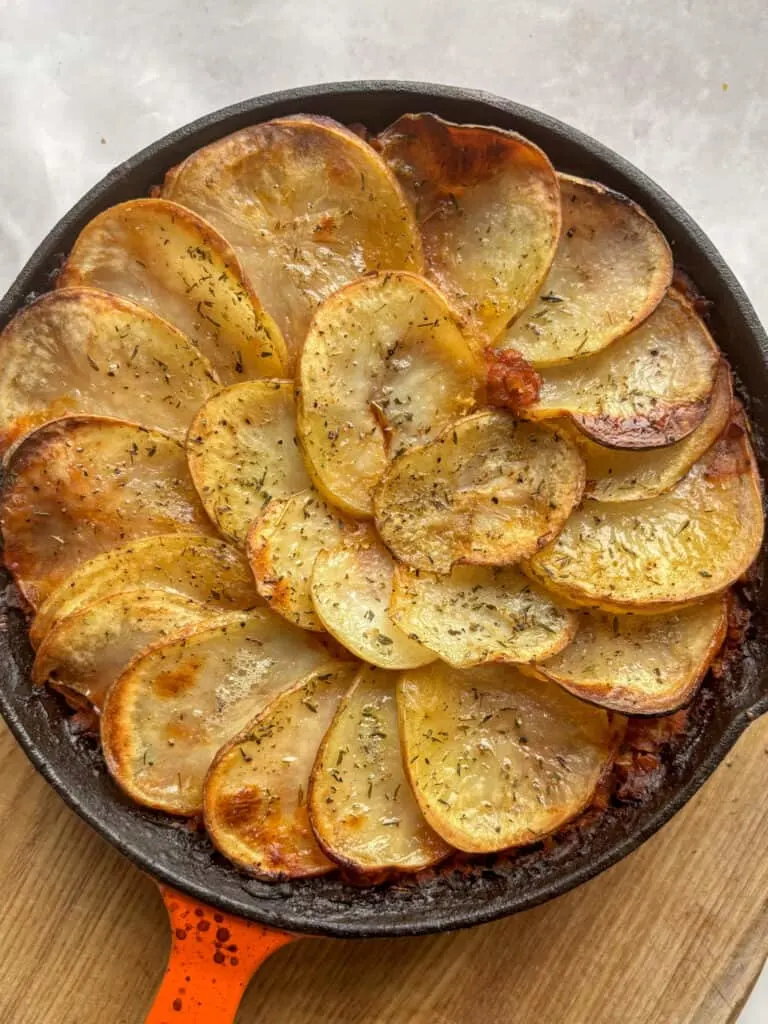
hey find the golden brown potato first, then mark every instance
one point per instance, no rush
(351, 591)
(498, 759)
(478, 614)
(78, 487)
(385, 366)
(361, 804)
(256, 790)
(282, 546)
(169, 260)
(176, 705)
(692, 541)
(83, 351)
(489, 490)
(87, 652)
(307, 205)
(646, 390)
(614, 474)
(610, 271)
(242, 452)
(641, 664)
(487, 202)
(181, 564)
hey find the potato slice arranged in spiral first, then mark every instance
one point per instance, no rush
(641, 664)
(692, 541)
(256, 791)
(171, 711)
(479, 614)
(647, 390)
(489, 490)
(487, 202)
(361, 804)
(87, 652)
(195, 566)
(283, 544)
(351, 591)
(306, 204)
(83, 351)
(610, 271)
(242, 452)
(169, 260)
(78, 487)
(632, 474)
(385, 366)
(498, 759)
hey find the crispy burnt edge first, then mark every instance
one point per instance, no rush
(284, 872)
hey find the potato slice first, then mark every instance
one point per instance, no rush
(647, 390)
(170, 260)
(489, 490)
(487, 202)
(282, 546)
(641, 664)
(81, 486)
(86, 652)
(498, 759)
(83, 351)
(256, 791)
(480, 614)
(384, 366)
(188, 565)
(610, 271)
(307, 205)
(351, 590)
(361, 804)
(692, 541)
(631, 475)
(176, 705)
(242, 452)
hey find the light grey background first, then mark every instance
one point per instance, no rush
(680, 87)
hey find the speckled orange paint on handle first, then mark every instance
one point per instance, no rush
(213, 957)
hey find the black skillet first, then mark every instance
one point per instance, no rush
(462, 894)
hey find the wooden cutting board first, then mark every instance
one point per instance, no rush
(674, 934)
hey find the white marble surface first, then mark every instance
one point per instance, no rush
(680, 88)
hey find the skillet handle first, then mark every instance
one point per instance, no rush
(213, 957)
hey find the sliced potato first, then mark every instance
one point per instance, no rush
(242, 452)
(170, 260)
(611, 269)
(177, 704)
(641, 664)
(489, 490)
(479, 614)
(188, 565)
(361, 804)
(616, 475)
(487, 202)
(283, 544)
(351, 592)
(498, 759)
(86, 652)
(81, 486)
(647, 390)
(692, 541)
(384, 366)
(306, 204)
(256, 791)
(83, 351)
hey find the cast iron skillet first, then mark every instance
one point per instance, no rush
(466, 894)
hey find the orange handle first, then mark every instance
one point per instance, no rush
(213, 957)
